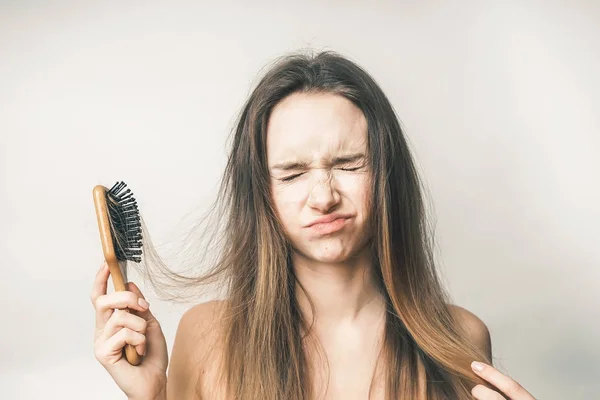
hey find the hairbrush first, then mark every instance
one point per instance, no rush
(121, 235)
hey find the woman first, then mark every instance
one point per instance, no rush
(332, 291)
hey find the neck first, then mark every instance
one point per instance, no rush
(341, 293)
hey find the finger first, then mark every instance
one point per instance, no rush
(122, 319)
(105, 305)
(111, 349)
(100, 282)
(152, 322)
(135, 289)
(147, 314)
(507, 385)
(141, 349)
(481, 392)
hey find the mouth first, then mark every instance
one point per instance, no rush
(327, 225)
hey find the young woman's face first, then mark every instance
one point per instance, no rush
(316, 151)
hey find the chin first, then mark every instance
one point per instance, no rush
(328, 250)
(327, 254)
(329, 259)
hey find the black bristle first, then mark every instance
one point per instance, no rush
(124, 222)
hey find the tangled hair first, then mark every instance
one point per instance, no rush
(425, 353)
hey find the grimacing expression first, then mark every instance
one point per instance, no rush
(317, 159)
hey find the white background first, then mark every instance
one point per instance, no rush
(500, 101)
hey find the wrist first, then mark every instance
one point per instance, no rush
(162, 395)
(159, 396)
(158, 392)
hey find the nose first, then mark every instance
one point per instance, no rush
(323, 196)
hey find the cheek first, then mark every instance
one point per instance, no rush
(289, 200)
(355, 188)
(292, 193)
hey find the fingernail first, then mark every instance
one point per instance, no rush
(477, 366)
(143, 303)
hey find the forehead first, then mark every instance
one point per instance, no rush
(312, 126)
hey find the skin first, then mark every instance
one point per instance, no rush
(115, 328)
(314, 148)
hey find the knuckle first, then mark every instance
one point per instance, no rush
(100, 302)
(132, 337)
(112, 321)
(140, 339)
(118, 316)
(116, 300)
(143, 324)
(99, 354)
(125, 333)
(130, 321)
(131, 298)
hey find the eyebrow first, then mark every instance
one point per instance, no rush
(295, 165)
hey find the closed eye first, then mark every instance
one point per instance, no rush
(290, 178)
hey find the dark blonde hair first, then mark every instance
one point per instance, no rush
(425, 352)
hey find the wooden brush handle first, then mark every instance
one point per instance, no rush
(119, 283)
(108, 249)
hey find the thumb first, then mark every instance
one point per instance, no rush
(132, 287)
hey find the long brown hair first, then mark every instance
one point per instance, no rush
(425, 352)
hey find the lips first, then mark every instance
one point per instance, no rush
(332, 225)
(328, 219)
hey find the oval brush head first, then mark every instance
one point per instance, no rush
(125, 225)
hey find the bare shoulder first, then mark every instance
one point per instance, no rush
(474, 327)
(200, 320)
(197, 335)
